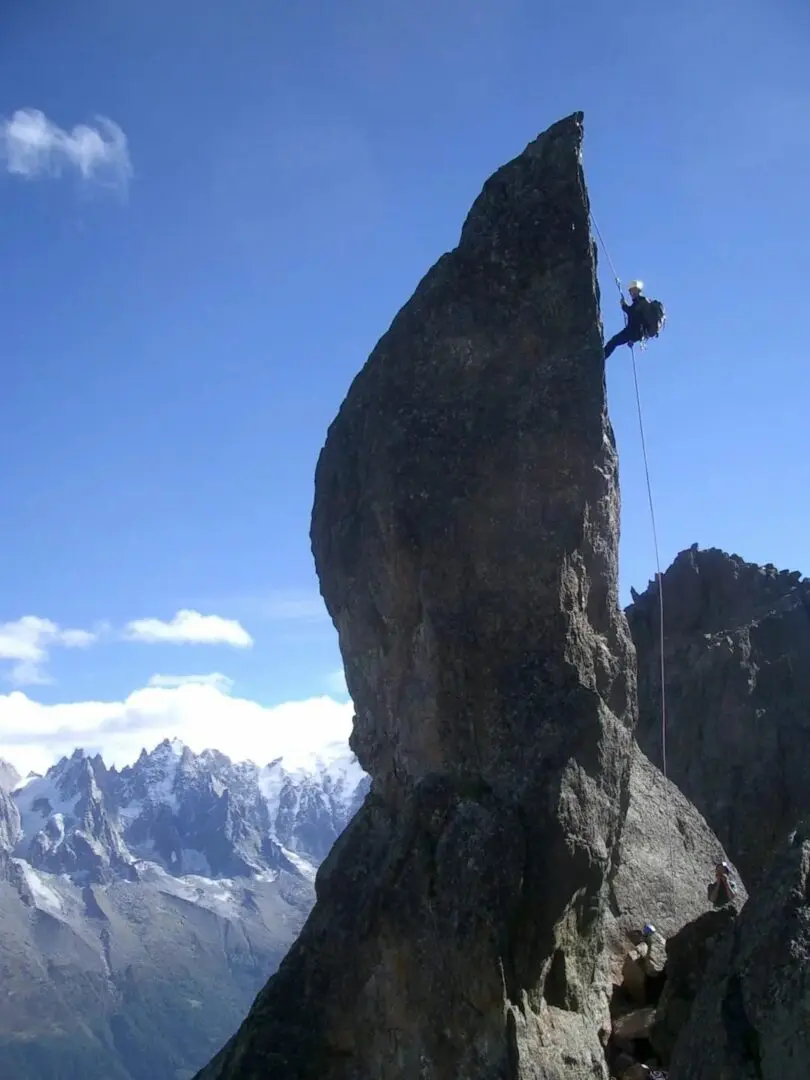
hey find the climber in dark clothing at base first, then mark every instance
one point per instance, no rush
(636, 312)
(722, 890)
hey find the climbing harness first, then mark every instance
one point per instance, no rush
(659, 578)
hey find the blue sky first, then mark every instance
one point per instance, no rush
(181, 323)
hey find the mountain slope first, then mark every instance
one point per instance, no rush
(141, 910)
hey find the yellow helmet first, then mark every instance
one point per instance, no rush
(636, 285)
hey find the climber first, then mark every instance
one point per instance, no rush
(722, 890)
(645, 319)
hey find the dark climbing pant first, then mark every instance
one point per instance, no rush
(624, 337)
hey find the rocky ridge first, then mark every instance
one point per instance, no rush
(188, 813)
(737, 652)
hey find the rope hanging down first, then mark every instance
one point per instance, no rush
(657, 553)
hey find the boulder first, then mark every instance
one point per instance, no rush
(465, 534)
(633, 975)
(737, 652)
(634, 1025)
(665, 861)
(751, 1017)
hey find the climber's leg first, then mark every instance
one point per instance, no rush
(622, 338)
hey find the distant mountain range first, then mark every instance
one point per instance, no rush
(142, 909)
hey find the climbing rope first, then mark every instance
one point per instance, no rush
(659, 576)
(660, 580)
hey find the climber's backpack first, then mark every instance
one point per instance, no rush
(654, 318)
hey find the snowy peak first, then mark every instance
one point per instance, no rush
(189, 813)
(9, 823)
(9, 777)
(314, 801)
(64, 825)
(153, 776)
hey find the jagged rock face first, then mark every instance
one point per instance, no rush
(77, 835)
(310, 810)
(465, 532)
(209, 818)
(9, 823)
(737, 651)
(9, 776)
(192, 814)
(9, 814)
(750, 1018)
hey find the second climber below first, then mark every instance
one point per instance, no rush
(644, 319)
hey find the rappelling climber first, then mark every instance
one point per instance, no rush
(645, 319)
(722, 890)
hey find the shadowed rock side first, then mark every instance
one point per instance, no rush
(738, 687)
(750, 1018)
(465, 532)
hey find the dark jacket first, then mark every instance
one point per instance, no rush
(721, 893)
(636, 313)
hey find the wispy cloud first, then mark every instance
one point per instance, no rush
(77, 639)
(33, 735)
(215, 679)
(296, 607)
(26, 642)
(189, 628)
(278, 605)
(31, 146)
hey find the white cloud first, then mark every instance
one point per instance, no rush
(31, 145)
(77, 639)
(27, 641)
(33, 735)
(215, 678)
(190, 628)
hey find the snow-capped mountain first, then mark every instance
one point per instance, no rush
(188, 813)
(9, 777)
(142, 909)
